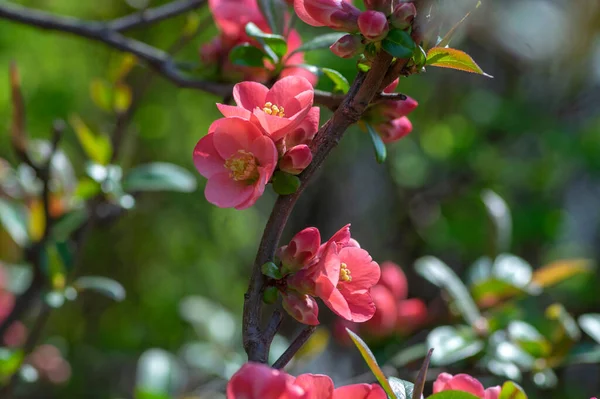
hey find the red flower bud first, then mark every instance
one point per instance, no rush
(403, 15)
(384, 6)
(394, 279)
(373, 25)
(348, 46)
(301, 250)
(301, 307)
(296, 159)
(395, 129)
(398, 109)
(337, 14)
(412, 313)
(383, 321)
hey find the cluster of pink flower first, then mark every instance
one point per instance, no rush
(373, 24)
(257, 381)
(268, 128)
(394, 314)
(231, 17)
(337, 271)
(16, 333)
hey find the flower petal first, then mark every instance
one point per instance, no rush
(225, 192)
(365, 272)
(265, 152)
(290, 87)
(233, 134)
(304, 15)
(259, 189)
(319, 386)
(361, 306)
(275, 126)
(207, 160)
(229, 110)
(359, 391)
(250, 95)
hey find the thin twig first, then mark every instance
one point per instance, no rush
(153, 15)
(294, 347)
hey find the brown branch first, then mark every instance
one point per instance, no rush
(295, 346)
(160, 61)
(361, 94)
(152, 15)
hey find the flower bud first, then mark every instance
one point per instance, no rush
(296, 159)
(412, 314)
(394, 279)
(403, 15)
(396, 109)
(348, 46)
(337, 14)
(394, 130)
(300, 251)
(301, 307)
(392, 86)
(384, 6)
(373, 25)
(383, 321)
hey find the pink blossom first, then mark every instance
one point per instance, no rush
(306, 130)
(412, 314)
(301, 307)
(278, 110)
(373, 25)
(336, 14)
(301, 250)
(238, 161)
(465, 383)
(394, 279)
(394, 130)
(258, 381)
(231, 17)
(291, 61)
(296, 159)
(360, 391)
(384, 320)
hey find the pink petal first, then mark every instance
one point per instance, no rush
(394, 279)
(299, 71)
(265, 152)
(275, 126)
(229, 110)
(250, 95)
(492, 393)
(206, 158)
(233, 134)
(365, 272)
(337, 303)
(317, 385)
(225, 192)
(259, 189)
(361, 305)
(459, 382)
(304, 15)
(359, 391)
(287, 88)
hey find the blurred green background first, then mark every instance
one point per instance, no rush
(531, 134)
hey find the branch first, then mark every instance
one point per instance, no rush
(361, 94)
(294, 347)
(156, 59)
(152, 15)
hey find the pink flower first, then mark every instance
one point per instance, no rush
(291, 61)
(301, 250)
(360, 391)
(465, 383)
(348, 46)
(296, 159)
(278, 110)
(403, 15)
(238, 161)
(394, 130)
(412, 314)
(231, 17)
(336, 14)
(301, 307)
(306, 130)
(373, 25)
(258, 381)
(394, 279)
(384, 320)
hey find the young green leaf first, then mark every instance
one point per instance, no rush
(319, 42)
(339, 81)
(275, 46)
(97, 147)
(510, 390)
(420, 57)
(270, 269)
(103, 285)
(284, 183)
(402, 389)
(159, 176)
(247, 55)
(101, 94)
(454, 59)
(371, 362)
(453, 344)
(378, 144)
(13, 219)
(399, 44)
(270, 295)
(122, 98)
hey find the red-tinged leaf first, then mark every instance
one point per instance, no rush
(454, 59)
(372, 363)
(422, 377)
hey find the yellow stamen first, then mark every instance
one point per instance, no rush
(345, 274)
(242, 166)
(274, 109)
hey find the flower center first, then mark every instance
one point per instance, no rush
(274, 109)
(345, 274)
(242, 166)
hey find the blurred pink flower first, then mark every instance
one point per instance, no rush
(394, 279)
(384, 320)
(238, 161)
(231, 17)
(412, 314)
(465, 383)
(291, 61)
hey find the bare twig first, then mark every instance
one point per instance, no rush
(294, 347)
(153, 15)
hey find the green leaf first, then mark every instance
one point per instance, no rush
(399, 44)
(452, 395)
(419, 57)
(402, 389)
(590, 324)
(319, 42)
(159, 176)
(453, 344)
(275, 46)
(247, 55)
(97, 147)
(143, 394)
(561, 270)
(558, 312)
(123, 98)
(529, 338)
(284, 183)
(378, 144)
(500, 218)
(438, 273)
(339, 81)
(270, 269)
(270, 295)
(10, 361)
(13, 218)
(454, 59)
(512, 269)
(510, 390)
(371, 362)
(101, 94)
(104, 285)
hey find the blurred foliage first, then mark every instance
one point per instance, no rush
(532, 135)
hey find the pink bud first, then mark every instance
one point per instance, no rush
(394, 279)
(412, 314)
(337, 14)
(259, 381)
(396, 109)
(296, 159)
(392, 86)
(383, 321)
(301, 307)
(464, 383)
(348, 46)
(384, 6)
(394, 130)
(301, 250)
(306, 131)
(403, 15)
(373, 25)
